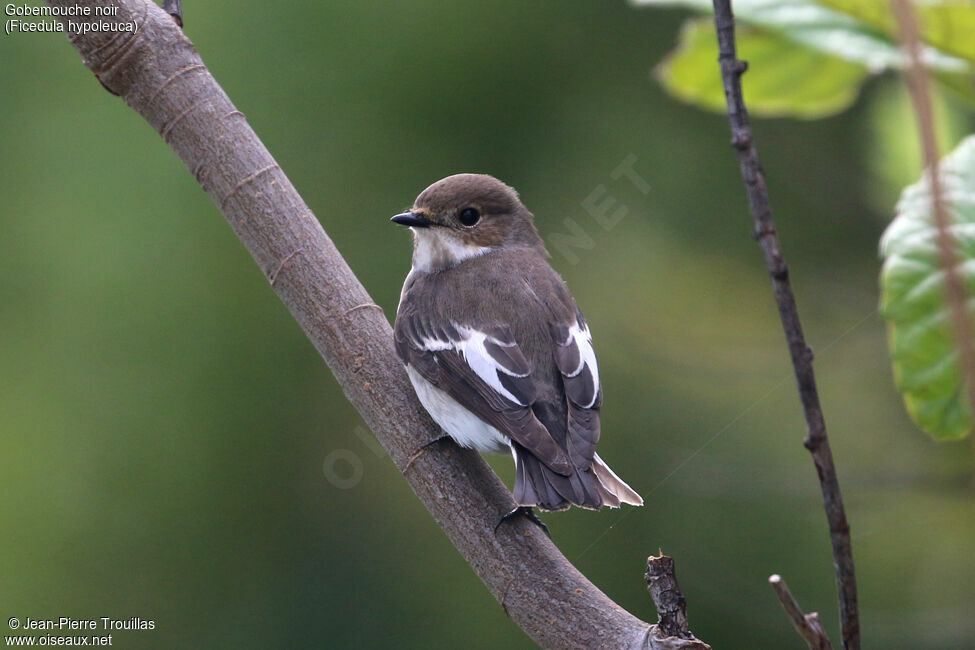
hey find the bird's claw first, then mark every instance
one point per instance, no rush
(529, 513)
(419, 452)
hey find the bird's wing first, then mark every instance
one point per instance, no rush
(576, 360)
(486, 372)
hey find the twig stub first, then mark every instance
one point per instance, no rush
(671, 607)
(671, 631)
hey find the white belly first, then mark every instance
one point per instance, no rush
(464, 427)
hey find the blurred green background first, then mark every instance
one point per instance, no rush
(164, 424)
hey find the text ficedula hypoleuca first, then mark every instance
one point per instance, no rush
(496, 348)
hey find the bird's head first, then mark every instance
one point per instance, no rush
(464, 216)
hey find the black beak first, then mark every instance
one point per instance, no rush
(412, 220)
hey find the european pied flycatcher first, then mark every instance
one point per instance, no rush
(496, 348)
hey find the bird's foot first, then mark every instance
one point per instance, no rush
(175, 9)
(528, 512)
(419, 451)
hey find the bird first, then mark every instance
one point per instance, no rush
(497, 350)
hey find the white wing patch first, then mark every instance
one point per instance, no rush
(587, 357)
(435, 345)
(471, 346)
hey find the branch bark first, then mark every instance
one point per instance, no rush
(816, 440)
(159, 73)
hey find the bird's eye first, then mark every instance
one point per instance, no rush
(469, 216)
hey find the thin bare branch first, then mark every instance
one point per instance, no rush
(807, 625)
(918, 85)
(816, 440)
(159, 73)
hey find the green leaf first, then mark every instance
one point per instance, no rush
(784, 80)
(913, 299)
(817, 26)
(947, 25)
(838, 34)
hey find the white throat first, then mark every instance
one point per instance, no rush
(436, 250)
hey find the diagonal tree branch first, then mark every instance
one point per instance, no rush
(816, 440)
(159, 73)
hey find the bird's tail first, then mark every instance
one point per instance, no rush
(592, 488)
(612, 487)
